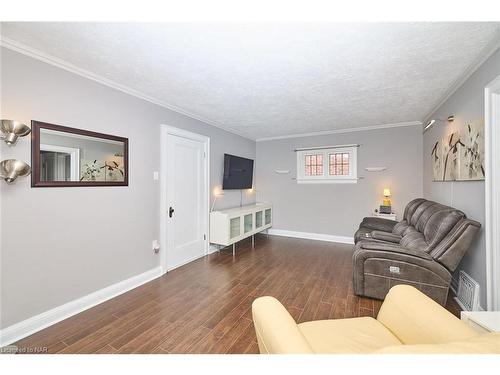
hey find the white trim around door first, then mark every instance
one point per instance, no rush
(492, 185)
(167, 130)
(74, 154)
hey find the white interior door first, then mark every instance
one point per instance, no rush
(187, 195)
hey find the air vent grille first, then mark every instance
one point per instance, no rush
(468, 292)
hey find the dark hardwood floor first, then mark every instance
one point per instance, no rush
(205, 306)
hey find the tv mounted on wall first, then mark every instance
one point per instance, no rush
(238, 172)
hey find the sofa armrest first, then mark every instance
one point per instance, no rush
(372, 245)
(386, 236)
(276, 330)
(378, 223)
(415, 318)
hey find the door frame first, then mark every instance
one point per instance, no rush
(165, 228)
(74, 154)
(492, 189)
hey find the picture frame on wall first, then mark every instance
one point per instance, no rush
(459, 156)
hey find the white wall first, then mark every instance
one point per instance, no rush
(337, 209)
(59, 244)
(467, 104)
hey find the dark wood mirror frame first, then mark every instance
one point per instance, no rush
(35, 156)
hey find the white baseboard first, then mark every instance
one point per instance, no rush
(38, 322)
(213, 248)
(311, 236)
(479, 308)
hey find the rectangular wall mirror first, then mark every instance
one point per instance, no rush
(63, 156)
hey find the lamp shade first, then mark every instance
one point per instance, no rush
(12, 130)
(11, 169)
(387, 192)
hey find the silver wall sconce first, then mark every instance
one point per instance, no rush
(11, 130)
(11, 169)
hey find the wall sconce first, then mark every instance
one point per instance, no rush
(11, 169)
(450, 118)
(11, 130)
(217, 193)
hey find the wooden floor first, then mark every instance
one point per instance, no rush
(205, 306)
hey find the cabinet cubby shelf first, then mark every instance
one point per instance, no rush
(235, 224)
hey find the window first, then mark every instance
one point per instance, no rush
(328, 165)
(339, 164)
(314, 165)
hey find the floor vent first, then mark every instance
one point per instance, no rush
(468, 292)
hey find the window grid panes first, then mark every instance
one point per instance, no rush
(339, 164)
(314, 165)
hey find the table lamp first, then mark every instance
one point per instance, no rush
(387, 194)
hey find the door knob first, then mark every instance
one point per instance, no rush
(170, 212)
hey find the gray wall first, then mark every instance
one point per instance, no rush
(59, 244)
(337, 209)
(467, 104)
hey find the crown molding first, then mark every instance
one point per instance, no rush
(485, 54)
(341, 131)
(63, 64)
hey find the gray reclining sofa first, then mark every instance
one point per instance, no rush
(421, 250)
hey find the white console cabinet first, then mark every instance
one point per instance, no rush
(234, 224)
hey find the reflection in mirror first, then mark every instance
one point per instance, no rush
(78, 157)
(75, 157)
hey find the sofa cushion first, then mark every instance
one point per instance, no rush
(411, 207)
(439, 225)
(414, 240)
(485, 344)
(355, 335)
(400, 228)
(377, 223)
(386, 236)
(414, 319)
(413, 219)
(427, 214)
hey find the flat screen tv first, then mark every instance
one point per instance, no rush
(238, 172)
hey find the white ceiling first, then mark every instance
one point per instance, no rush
(267, 80)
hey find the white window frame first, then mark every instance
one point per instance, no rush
(326, 178)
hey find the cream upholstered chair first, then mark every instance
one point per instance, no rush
(408, 322)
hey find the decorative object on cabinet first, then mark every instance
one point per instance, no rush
(64, 156)
(11, 131)
(11, 169)
(386, 208)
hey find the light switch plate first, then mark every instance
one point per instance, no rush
(156, 176)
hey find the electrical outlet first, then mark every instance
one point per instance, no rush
(156, 246)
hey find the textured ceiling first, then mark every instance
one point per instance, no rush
(265, 80)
